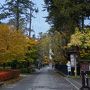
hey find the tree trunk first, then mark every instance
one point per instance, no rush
(82, 22)
(30, 22)
(17, 16)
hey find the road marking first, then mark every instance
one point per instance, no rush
(78, 83)
(10, 86)
(72, 84)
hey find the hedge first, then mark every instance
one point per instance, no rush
(10, 74)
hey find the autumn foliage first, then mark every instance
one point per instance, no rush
(81, 39)
(12, 44)
(6, 75)
(31, 54)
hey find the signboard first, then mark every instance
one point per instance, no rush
(84, 67)
(72, 58)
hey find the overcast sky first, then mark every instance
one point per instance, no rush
(39, 24)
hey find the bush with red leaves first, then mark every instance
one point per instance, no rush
(10, 74)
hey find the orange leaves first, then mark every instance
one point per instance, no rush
(12, 44)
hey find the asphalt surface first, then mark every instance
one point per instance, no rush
(44, 79)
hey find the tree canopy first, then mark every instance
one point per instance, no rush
(13, 44)
(18, 12)
(81, 40)
(65, 15)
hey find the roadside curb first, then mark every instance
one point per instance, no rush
(73, 82)
(61, 73)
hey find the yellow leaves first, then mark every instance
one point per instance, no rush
(18, 42)
(87, 39)
(12, 44)
(76, 39)
(80, 39)
(2, 37)
(31, 42)
(85, 54)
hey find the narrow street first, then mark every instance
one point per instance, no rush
(44, 79)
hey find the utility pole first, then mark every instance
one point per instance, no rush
(17, 15)
(31, 10)
(75, 71)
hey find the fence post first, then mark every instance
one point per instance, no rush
(85, 81)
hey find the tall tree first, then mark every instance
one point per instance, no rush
(29, 16)
(15, 9)
(13, 44)
(43, 46)
(80, 41)
(58, 48)
(65, 14)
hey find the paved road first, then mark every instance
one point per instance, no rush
(45, 79)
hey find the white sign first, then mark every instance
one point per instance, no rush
(72, 58)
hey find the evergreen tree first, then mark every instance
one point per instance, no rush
(67, 14)
(16, 10)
